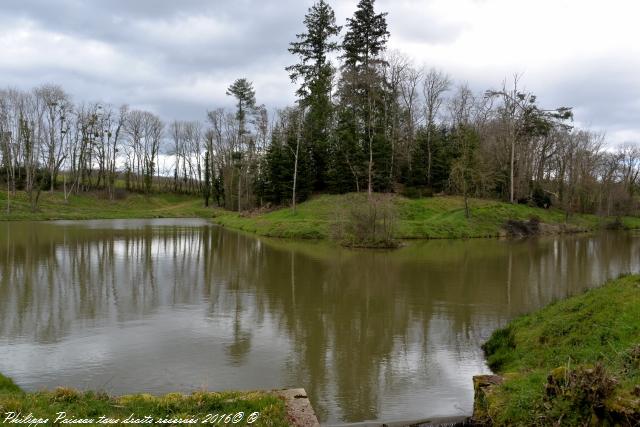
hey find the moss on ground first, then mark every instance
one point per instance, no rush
(173, 406)
(574, 363)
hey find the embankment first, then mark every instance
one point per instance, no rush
(573, 363)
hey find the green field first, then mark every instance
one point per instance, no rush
(270, 409)
(96, 205)
(427, 218)
(574, 363)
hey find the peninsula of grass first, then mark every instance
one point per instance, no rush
(573, 363)
(171, 409)
(427, 218)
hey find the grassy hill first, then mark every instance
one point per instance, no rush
(574, 363)
(95, 205)
(427, 218)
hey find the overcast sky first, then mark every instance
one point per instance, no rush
(176, 58)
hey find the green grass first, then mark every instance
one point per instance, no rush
(427, 218)
(92, 405)
(96, 206)
(574, 362)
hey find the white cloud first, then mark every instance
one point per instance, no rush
(178, 58)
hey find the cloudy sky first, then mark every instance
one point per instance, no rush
(176, 58)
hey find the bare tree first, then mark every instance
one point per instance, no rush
(57, 110)
(436, 83)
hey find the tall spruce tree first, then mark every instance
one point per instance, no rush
(314, 72)
(242, 90)
(362, 84)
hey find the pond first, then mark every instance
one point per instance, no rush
(157, 306)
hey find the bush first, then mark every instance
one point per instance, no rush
(540, 198)
(367, 223)
(417, 192)
(580, 392)
(616, 224)
(42, 178)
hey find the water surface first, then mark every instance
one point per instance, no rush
(163, 305)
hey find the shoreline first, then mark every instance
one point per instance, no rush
(435, 218)
(576, 360)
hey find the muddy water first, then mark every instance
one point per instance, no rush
(163, 305)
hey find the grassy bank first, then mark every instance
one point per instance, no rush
(270, 408)
(574, 363)
(428, 218)
(97, 206)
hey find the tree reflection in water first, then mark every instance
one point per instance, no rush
(160, 305)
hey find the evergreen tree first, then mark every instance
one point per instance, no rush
(366, 37)
(439, 145)
(245, 95)
(279, 164)
(242, 90)
(315, 73)
(362, 86)
(345, 172)
(313, 47)
(218, 188)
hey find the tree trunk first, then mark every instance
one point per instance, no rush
(511, 195)
(295, 163)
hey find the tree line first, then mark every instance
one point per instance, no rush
(366, 119)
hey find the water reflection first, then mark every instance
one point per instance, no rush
(160, 305)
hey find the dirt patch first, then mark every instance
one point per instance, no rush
(533, 227)
(518, 228)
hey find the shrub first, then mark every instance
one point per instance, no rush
(616, 224)
(580, 392)
(367, 223)
(540, 198)
(417, 192)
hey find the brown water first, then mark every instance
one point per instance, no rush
(163, 305)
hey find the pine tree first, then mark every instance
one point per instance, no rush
(366, 38)
(314, 71)
(345, 172)
(362, 84)
(280, 162)
(313, 47)
(242, 90)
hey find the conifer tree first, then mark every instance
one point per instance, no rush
(242, 90)
(314, 72)
(363, 44)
